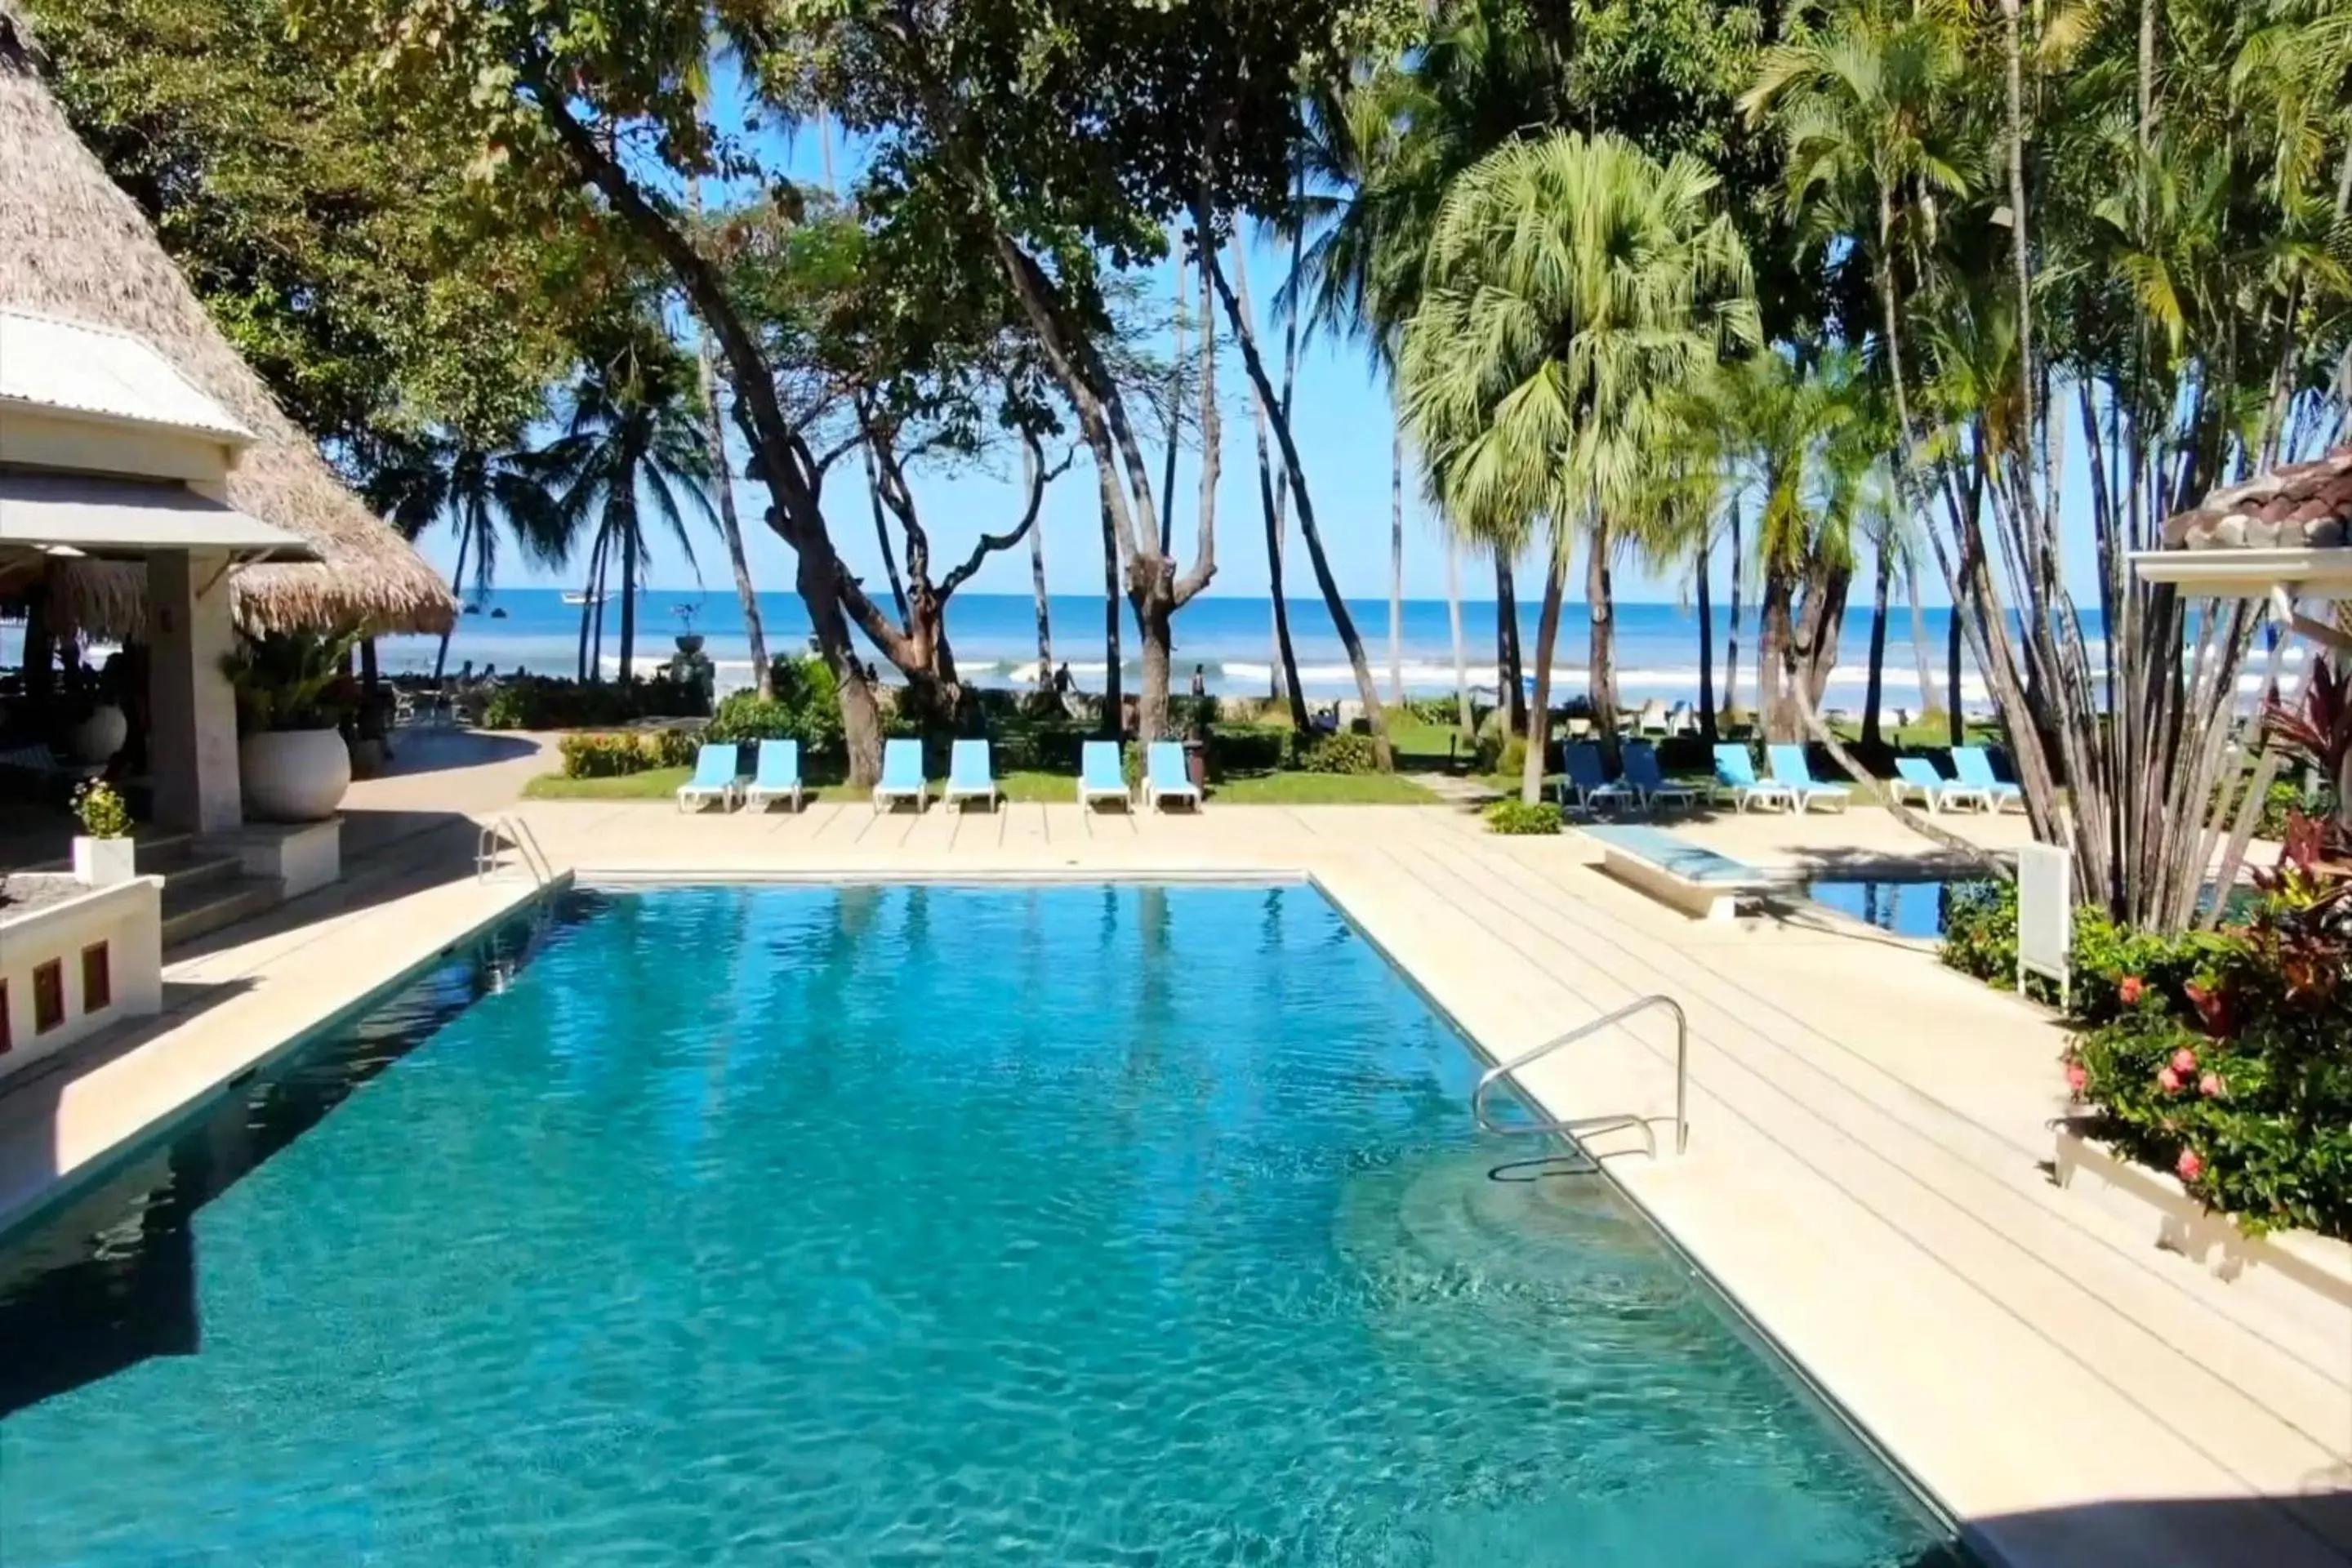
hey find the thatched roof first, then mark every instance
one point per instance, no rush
(2304, 506)
(73, 246)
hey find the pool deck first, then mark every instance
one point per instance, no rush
(1867, 1170)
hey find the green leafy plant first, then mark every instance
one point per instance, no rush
(1514, 817)
(1336, 754)
(293, 680)
(101, 811)
(540, 702)
(589, 755)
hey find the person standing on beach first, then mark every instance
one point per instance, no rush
(1200, 680)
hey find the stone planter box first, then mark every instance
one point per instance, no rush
(2294, 1268)
(103, 862)
(74, 959)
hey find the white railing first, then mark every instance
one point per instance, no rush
(1589, 1125)
(500, 834)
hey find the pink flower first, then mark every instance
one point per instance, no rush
(2078, 1078)
(2189, 1166)
(2168, 1081)
(2130, 990)
(2209, 1086)
(2184, 1061)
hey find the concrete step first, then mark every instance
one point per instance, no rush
(214, 901)
(187, 867)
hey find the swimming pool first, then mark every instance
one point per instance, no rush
(1046, 1225)
(1909, 908)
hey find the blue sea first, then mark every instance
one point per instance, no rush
(1229, 637)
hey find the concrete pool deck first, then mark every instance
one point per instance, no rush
(1866, 1172)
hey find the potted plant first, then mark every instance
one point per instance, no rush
(293, 695)
(689, 641)
(103, 852)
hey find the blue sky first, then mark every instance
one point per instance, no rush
(1342, 421)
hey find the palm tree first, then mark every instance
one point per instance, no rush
(1574, 288)
(474, 486)
(632, 440)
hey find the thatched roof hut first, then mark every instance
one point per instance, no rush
(74, 247)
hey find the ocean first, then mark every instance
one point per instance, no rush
(1230, 637)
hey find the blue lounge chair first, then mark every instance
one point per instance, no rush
(1649, 781)
(1165, 777)
(1587, 786)
(775, 776)
(969, 777)
(1735, 775)
(1101, 775)
(1791, 770)
(1917, 775)
(902, 775)
(716, 777)
(1974, 768)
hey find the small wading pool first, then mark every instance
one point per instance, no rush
(890, 1225)
(1916, 910)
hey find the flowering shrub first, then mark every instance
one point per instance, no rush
(101, 811)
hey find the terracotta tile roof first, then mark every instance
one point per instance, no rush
(2305, 506)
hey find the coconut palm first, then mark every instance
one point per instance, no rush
(633, 442)
(1574, 287)
(478, 488)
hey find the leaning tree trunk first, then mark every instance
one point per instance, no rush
(731, 527)
(1514, 696)
(1273, 490)
(1462, 715)
(1153, 613)
(456, 582)
(1538, 759)
(1873, 692)
(1235, 299)
(1396, 565)
(1705, 642)
(588, 592)
(1599, 596)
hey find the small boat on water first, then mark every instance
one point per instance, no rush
(571, 597)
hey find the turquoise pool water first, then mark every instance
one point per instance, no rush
(1905, 909)
(907, 1226)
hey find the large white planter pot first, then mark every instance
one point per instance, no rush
(97, 738)
(103, 862)
(294, 775)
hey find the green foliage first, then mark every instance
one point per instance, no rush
(293, 680)
(805, 708)
(1981, 940)
(1344, 753)
(99, 809)
(589, 754)
(541, 702)
(1513, 816)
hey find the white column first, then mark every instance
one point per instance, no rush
(192, 751)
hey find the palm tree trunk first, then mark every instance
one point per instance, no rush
(1236, 300)
(1952, 673)
(1731, 644)
(1462, 715)
(1600, 594)
(457, 582)
(587, 606)
(1921, 652)
(1705, 641)
(628, 599)
(1774, 669)
(1875, 692)
(1513, 698)
(1114, 699)
(1273, 491)
(1396, 565)
(1037, 585)
(722, 475)
(1537, 762)
(597, 650)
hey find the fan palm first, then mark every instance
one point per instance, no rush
(633, 443)
(476, 487)
(1573, 288)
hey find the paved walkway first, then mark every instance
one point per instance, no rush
(1865, 1174)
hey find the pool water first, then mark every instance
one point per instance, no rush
(896, 1225)
(1916, 910)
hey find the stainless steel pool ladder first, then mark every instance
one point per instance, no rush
(500, 834)
(1589, 1124)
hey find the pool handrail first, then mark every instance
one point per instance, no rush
(1502, 1071)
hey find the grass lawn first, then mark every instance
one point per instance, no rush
(1267, 789)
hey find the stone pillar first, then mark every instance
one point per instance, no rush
(192, 750)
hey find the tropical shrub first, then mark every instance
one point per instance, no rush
(1514, 817)
(1249, 747)
(1338, 753)
(1981, 940)
(541, 702)
(806, 708)
(293, 680)
(591, 755)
